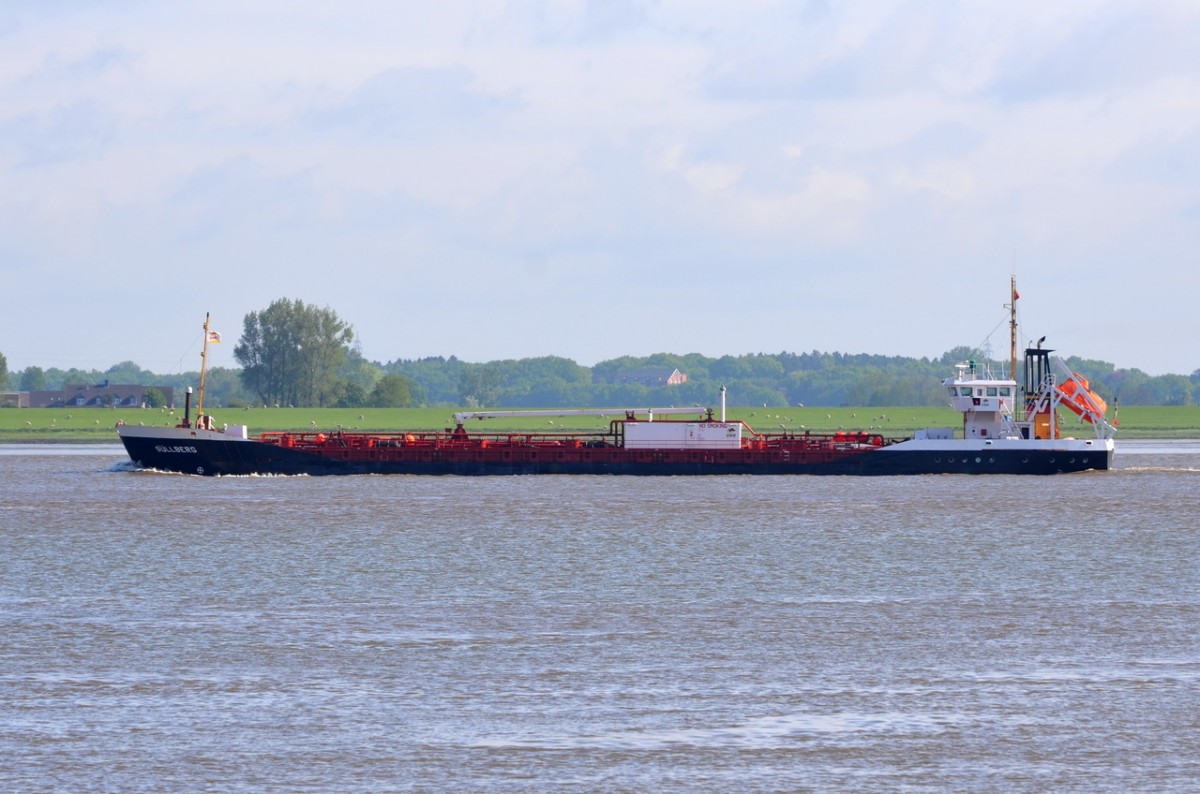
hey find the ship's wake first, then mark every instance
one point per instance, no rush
(1160, 469)
(127, 466)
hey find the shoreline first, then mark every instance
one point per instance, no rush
(92, 426)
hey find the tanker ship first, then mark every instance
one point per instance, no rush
(1007, 427)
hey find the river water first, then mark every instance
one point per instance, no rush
(169, 633)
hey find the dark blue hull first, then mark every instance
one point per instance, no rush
(240, 457)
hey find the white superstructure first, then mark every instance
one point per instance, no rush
(988, 405)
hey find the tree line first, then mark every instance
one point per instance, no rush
(293, 353)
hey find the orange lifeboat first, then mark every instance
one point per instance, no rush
(1077, 395)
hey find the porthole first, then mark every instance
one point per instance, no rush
(979, 460)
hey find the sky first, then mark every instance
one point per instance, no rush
(592, 179)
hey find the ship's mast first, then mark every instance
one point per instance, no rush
(203, 368)
(1012, 329)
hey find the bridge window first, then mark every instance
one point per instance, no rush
(991, 391)
(1005, 391)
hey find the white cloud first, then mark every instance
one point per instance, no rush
(600, 154)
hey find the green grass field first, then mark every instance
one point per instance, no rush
(49, 425)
